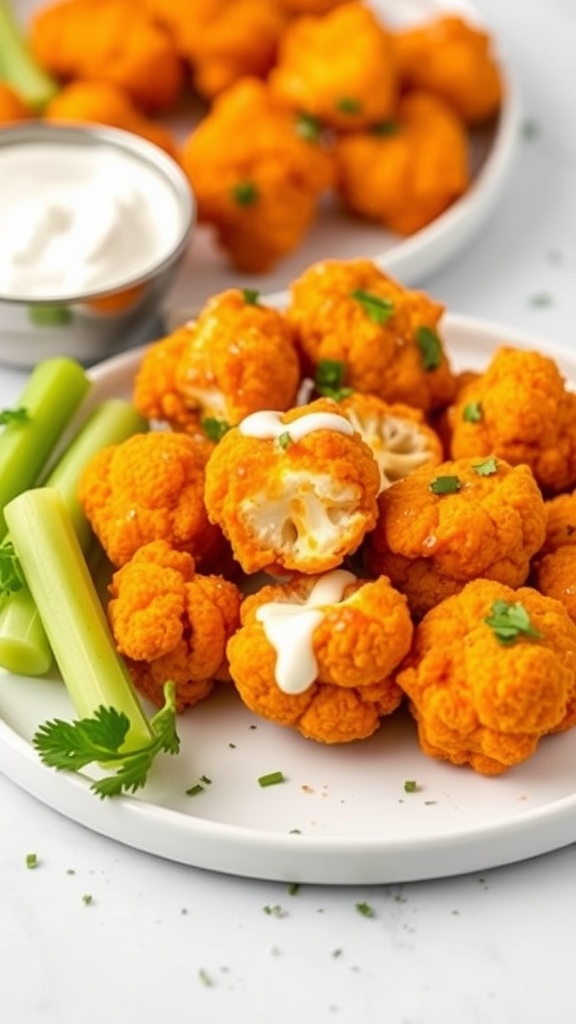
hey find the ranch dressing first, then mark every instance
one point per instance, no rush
(78, 220)
(268, 424)
(289, 628)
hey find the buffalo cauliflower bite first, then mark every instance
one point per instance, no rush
(150, 487)
(293, 490)
(338, 67)
(445, 525)
(520, 410)
(454, 59)
(258, 172)
(554, 567)
(171, 623)
(386, 336)
(317, 654)
(491, 671)
(155, 392)
(397, 435)
(404, 173)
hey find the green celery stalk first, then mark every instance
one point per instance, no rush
(57, 573)
(24, 646)
(51, 395)
(18, 66)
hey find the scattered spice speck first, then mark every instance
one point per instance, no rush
(365, 910)
(274, 910)
(70, 871)
(336, 953)
(31, 860)
(530, 129)
(232, 746)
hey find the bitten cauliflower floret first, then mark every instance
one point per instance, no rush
(405, 172)
(293, 491)
(150, 487)
(397, 435)
(520, 410)
(454, 59)
(317, 654)
(491, 671)
(339, 67)
(445, 525)
(258, 172)
(385, 335)
(170, 623)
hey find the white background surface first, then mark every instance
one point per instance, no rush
(495, 947)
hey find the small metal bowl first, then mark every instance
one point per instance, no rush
(96, 323)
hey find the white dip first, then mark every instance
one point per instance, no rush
(80, 219)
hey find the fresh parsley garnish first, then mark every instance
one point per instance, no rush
(31, 860)
(11, 575)
(284, 440)
(378, 308)
(20, 415)
(70, 746)
(385, 129)
(430, 348)
(329, 379)
(245, 193)
(251, 296)
(215, 429)
(271, 779)
(308, 127)
(410, 786)
(509, 622)
(348, 105)
(486, 468)
(472, 413)
(365, 909)
(445, 485)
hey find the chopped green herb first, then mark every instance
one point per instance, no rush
(11, 575)
(472, 413)
(385, 128)
(49, 315)
(245, 193)
(348, 105)
(530, 129)
(271, 779)
(295, 832)
(430, 348)
(508, 622)
(329, 379)
(205, 780)
(251, 296)
(205, 977)
(284, 439)
(293, 888)
(308, 127)
(215, 429)
(365, 910)
(275, 910)
(541, 299)
(378, 308)
(87, 899)
(410, 786)
(13, 416)
(337, 952)
(195, 789)
(31, 860)
(486, 468)
(445, 485)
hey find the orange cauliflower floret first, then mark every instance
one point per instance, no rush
(520, 410)
(258, 173)
(385, 335)
(485, 694)
(454, 59)
(554, 568)
(309, 6)
(317, 654)
(445, 525)
(150, 487)
(405, 172)
(295, 491)
(114, 41)
(155, 392)
(339, 67)
(171, 623)
(397, 435)
(12, 107)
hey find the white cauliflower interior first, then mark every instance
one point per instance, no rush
(398, 445)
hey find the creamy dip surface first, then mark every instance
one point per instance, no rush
(80, 220)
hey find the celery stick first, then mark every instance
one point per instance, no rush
(56, 571)
(24, 646)
(18, 67)
(51, 396)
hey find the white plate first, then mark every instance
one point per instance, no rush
(206, 271)
(355, 822)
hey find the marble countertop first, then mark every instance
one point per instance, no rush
(99, 931)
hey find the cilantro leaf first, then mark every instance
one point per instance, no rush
(308, 127)
(508, 622)
(245, 193)
(486, 468)
(329, 379)
(472, 413)
(215, 429)
(430, 348)
(385, 129)
(251, 296)
(348, 105)
(378, 308)
(445, 485)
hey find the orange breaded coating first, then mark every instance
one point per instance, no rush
(107, 103)
(223, 40)
(554, 568)
(405, 172)
(240, 357)
(155, 392)
(520, 410)
(397, 435)
(293, 490)
(339, 67)
(171, 623)
(385, 335)
(484, 701)
(445, 525)
(296, 7)
(454, 59)
(317, 654)
(258, 173)
(114, 41)
(12, 108)
(150, 487)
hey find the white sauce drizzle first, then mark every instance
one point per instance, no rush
(289, 628)
(268, 424)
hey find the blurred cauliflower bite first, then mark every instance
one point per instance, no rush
(554, 567)
(491, 671)
(170, 623)
(317, 654)
(293, 491)
(445, 525)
